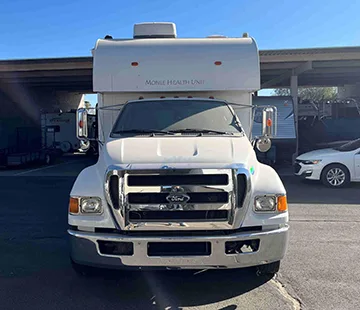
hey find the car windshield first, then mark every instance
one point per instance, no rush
(349, 146)
(177, 116)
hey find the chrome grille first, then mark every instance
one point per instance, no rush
(196, 199)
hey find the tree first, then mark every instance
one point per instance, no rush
(87, 104)
(310, 93)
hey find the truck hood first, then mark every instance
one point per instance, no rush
(318, 154)
(179, 150)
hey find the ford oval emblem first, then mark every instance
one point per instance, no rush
(177, 197)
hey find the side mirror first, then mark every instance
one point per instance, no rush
(268, 129)
(81, 124)
(269, 121)
(263, 144)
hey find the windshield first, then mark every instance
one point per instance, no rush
(349, 146)
(183, 116)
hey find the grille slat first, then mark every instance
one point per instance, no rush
(195, 198)
(186, 179)
(204, 215)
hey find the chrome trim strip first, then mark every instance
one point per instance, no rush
(188, 188)
(108, 174)
(187, 207)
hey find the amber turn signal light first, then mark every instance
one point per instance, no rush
(282, 204)
(74, 205)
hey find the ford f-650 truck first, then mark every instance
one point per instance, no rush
(177, 183)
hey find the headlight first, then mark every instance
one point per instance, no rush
(265, 203)
(91, 205)
(271, 203)
(311, 162)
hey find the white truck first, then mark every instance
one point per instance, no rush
(177, 183)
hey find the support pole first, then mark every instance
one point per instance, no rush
(294, 95)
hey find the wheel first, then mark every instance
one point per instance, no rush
(335, 176)
(268, 269)
(65, 146)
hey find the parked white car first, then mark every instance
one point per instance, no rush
(335, 167)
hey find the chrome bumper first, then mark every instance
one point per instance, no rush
(273, 245)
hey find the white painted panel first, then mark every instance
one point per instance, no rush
(176, 65)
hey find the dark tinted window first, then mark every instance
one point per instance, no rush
(349, 146)
(177, 115)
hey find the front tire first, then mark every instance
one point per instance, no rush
(335, 176)
(268, 269)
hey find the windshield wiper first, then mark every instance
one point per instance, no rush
(143, 131)
(201, 131)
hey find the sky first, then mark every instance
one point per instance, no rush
(44, 29)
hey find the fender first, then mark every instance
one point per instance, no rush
(90, 183)
(265, 181)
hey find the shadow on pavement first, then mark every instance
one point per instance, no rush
(177, 289)
(35, 270)
(64, 289)
(307, 192)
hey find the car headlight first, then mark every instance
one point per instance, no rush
(265, 203)
(311, 162)
(90, 205)
(271, 203)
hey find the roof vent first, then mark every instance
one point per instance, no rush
(154, 30)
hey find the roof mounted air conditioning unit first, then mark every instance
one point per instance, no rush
(154, 30)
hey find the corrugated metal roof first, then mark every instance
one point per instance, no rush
(310, 51)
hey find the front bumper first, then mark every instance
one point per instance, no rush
(85, 250)
(309, 172)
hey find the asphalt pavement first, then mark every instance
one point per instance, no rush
(320, 270)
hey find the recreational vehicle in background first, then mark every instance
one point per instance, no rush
(59, 130)
(42, 144)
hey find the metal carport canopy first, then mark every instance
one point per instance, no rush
(335, 66)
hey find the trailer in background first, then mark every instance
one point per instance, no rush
(59, 131)
(27, 149)
(42, 145)
(328, 122)
(284, 142)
